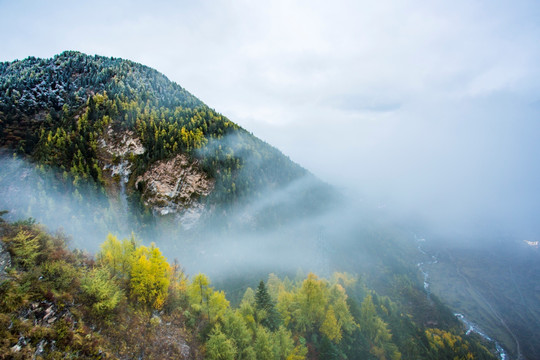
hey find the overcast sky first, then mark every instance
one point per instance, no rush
(429, 105)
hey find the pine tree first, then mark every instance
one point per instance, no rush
(266, 310)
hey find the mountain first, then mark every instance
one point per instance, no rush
(115, 125)
(94, 145)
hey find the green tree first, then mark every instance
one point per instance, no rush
(219, 347)
(249, 297)
(217, 305)
(376, 331)
(199, 292)
(338, 299)
(205, 300)
(368, 317)
(263, 344)
(235, 328)
(284, 345)
(266, 310)
(274, 286)
(311, 300)
(117, 255)
(247, 309)
(60, 274)
(101, 292)
(25, 247)
(287, 307)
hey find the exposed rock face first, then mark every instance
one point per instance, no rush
(124, 143)
(5, 262)
(116, 148)
(41, 314)
(175, 186)
(172, 186)
(45, 313)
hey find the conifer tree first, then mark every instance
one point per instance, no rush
(25, 246)
(266, 310)
(101, 292)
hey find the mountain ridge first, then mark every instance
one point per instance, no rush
(60, 111)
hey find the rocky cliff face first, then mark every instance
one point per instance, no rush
(172, 186)
(176, 186)
(116, 153)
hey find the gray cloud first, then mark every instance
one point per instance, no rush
(423, 105)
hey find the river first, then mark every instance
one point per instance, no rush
(471, 327)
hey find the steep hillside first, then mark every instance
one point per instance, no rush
(130, 302)
(122, 126)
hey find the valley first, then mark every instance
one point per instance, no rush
(127, 170)
(480, 284)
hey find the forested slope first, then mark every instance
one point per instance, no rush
(61, 111)
(131, 302)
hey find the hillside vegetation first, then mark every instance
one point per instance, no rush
(107, 146)
(131, 302)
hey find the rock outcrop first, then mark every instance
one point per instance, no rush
(116, 149)
(5, 262)
(171, 186)
(175, 186)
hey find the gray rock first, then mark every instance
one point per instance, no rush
(5, 262)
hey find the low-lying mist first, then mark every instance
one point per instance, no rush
(465, 167)
(86, 214)
(276, 231)
(464, 176)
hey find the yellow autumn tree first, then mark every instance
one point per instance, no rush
(330, 327)
(150, 274)
(199, 292)
(338, 299)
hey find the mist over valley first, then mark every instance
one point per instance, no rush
(368, 192)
